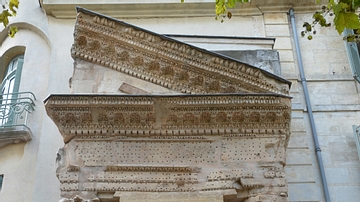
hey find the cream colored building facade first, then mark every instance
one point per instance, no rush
(45, 39)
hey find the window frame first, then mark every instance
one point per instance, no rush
(353, 55)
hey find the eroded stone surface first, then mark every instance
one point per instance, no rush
(172, 144)
(204, 147)
(164, 61)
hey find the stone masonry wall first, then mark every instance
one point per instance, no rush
(335, 102)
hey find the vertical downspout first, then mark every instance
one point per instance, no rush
(309, 109)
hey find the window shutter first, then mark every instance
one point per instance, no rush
(357, 137)
(18, 73)
(353, 54)
(1, 180)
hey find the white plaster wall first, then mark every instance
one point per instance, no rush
(19, 162)
(29, 169)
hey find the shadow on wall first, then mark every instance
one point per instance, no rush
(264, 59)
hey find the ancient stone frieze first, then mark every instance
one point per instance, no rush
(95, 116)
(229, 145)
(185, 143)
(166, 62)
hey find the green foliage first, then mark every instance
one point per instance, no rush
(12, 31)
(12, 4)
(5, 14)
(343, 14)
(222, 6)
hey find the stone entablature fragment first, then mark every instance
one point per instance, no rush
(182, 143)
(165, 61)
(221, 137)
(145, 115)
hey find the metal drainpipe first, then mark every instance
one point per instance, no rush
(309, 109)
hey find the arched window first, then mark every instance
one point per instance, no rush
(11, 81)
(9, 90)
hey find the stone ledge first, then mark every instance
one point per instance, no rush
(14, 135)
(146, 8)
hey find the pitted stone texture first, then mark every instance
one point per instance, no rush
(225, 146)
(166, 62)
(187, 144)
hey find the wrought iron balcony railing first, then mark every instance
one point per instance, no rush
(15, 108)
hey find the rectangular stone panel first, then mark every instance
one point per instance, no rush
(297, 174)
(303, 192)
(277, 30)
(249, 150)
(298, 156)
(146, 152)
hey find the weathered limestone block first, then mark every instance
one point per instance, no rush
(188, 144)
(164, 61)
(225, 143)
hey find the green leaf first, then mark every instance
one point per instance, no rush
(356, 4)
(231, 3)
(12, 5)
(331, 4)
(4, 17)
(346, 20)
(220, 7)
(12, 31)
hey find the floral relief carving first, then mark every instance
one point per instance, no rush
(270, 117)
(189, 119)
(69, 118)
(134, 118)
(118, 118)
(94, 45)
(150, 117)
(182, 76)
(103, 119)
(254, 117)
(154, 66)
(158, 143)
(81, 41)
(221, 117)
(205, 117)
(197, 81)
(238, 117)
(247, 79)
(167, 71)
(189, 122)
(213, 86)
(138, 61)
(86, 118)
(123, 55)
(172, 119)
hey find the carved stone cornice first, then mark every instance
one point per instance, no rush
(164, 61)
(236, 128)
(150, 9)
(104, 116)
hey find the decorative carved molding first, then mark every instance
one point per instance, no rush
(164, 61)
(150, 9)
(101, 117)
(230, 144)
(135, 143)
